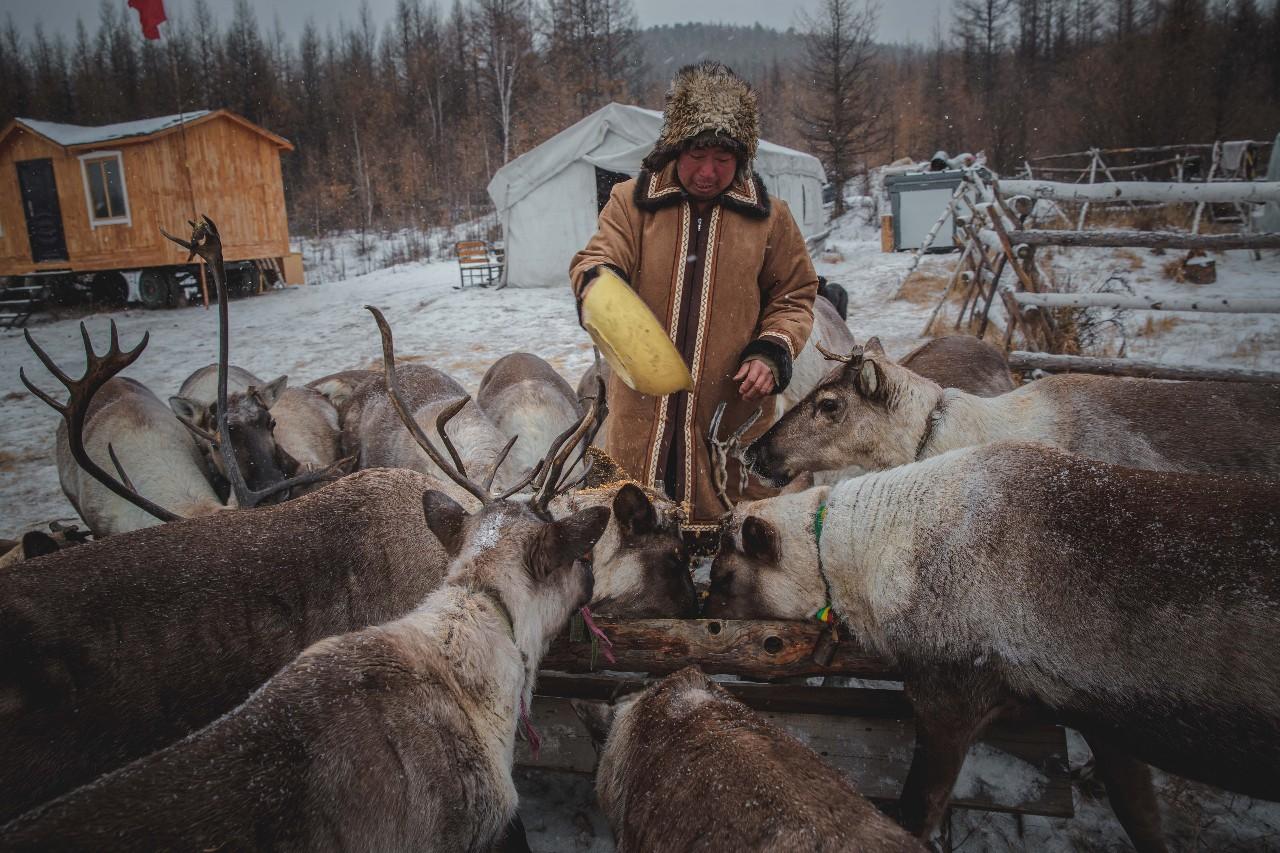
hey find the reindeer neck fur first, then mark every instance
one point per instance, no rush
(468, 632)
(872, 536)
(961, 419)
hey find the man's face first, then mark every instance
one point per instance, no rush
(706, 172)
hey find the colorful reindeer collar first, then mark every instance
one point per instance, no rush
(826, 614)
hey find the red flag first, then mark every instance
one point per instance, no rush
(151, 16)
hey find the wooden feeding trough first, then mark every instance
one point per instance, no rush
(864, 731)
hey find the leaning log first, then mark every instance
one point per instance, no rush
(1213, 193)
(1124, 302)
(1147, 239)
(1023, 361)
(756, 649)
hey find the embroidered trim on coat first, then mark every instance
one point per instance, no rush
(786, 341)
(704, 300)
(673, 330)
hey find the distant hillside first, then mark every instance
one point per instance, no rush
(750, 51)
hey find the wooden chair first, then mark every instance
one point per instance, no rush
(478, 263)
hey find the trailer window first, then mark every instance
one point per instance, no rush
(104, 188)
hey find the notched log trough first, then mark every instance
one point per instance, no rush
(866, 733)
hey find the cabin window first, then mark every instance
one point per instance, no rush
(104, 188)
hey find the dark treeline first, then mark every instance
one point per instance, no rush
(402, 124)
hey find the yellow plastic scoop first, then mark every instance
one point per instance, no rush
(631, 338)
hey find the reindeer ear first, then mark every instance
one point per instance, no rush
(444, 519)
(186, 408)
(561, 542)
(270, 393)
(37, 544)
(870, 380)
(634, 511)
(760, 540)
(596, 717)
(873, 347)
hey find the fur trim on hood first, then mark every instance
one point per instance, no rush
(709, 101)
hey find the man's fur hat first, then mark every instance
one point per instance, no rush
(708, 104)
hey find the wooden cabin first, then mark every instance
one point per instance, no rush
(93, 199)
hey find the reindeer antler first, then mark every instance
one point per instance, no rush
(99, 369)
(831, 356)
(721, 450)
(563, 447)
(206, 242)
(406, 417)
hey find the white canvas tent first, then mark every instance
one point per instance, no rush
(546, 198)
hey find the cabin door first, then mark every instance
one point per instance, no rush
(44, 215)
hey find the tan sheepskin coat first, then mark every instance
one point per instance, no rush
(754, 297)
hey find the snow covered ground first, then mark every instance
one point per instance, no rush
(307, 332)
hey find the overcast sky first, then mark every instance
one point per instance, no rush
(900, 20)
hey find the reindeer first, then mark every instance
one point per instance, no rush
(339, 387)
(877, 414)
(128, 422)
(125, 645)
(37, 543)
(200, 390)
(830, 332)
(277, 430)
(523, 395)
(758, 788)
(1142, 608)
(960, 361)
(373, 433)
(598, 371)
(395, 736)
(640, 563)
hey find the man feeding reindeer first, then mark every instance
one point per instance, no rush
(723, 267)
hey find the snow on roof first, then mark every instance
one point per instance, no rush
(635, 125)
(69, 135)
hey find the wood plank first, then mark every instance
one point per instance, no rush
(757, 649)
(1120, 301)
(1146, 239)
(1022, 361)
(1020, 770)
(1213, 193)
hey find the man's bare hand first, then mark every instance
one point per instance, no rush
(757, 380)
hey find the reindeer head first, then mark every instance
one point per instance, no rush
(767, 567)
(251, 427)
(869, 412)
(529, 562)
(641, 570)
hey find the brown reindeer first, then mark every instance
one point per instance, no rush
(125, 645)
(200, 389)
(523, 395)
(756, 787)
(153, 448)
(37, 543)
(877, 414)
(373, 433)
(830, 332)
(641, 568)
(960, 361)
(277, 430)
(1139, 607)
(399, 736)
(339, 387)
